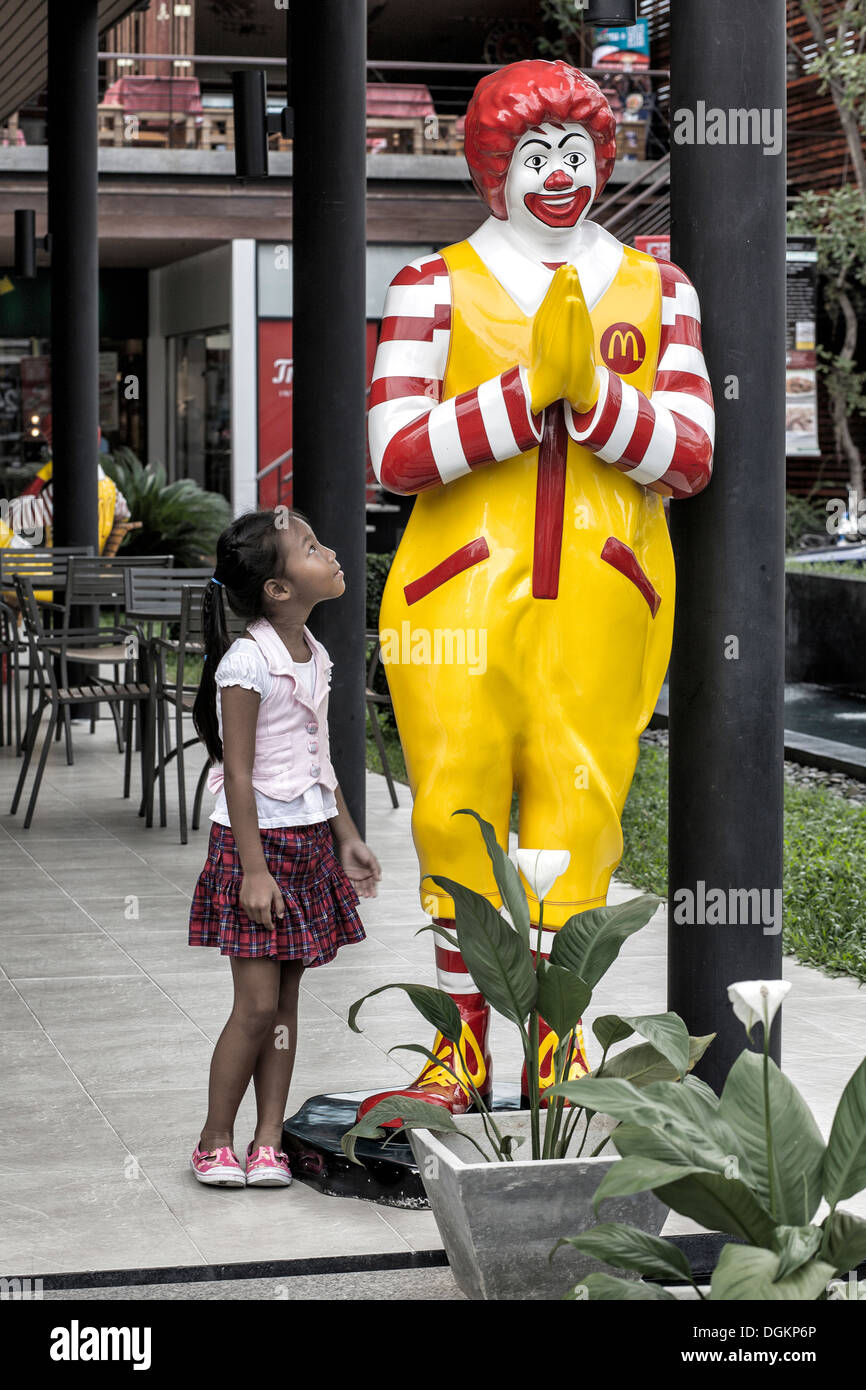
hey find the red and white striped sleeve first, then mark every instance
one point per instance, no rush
(665, 440)
(417, 440)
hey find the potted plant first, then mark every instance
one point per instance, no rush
(497, 1211)
(751, 1163)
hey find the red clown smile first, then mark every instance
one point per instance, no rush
(558, 209)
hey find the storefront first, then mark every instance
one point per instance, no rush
(25, 369)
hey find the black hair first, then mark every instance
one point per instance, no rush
(247, 555)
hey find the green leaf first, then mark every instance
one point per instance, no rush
(845, 1159)
(496, 956)
(638, 1174)
(413, 1113)
(702, 1088)
(618, 1244)
(644, 1064)
(433, 1004)
(562, 998)
(798, 1149)
(445, 934)
(608, 1288)
(506, 875)
(843, 1243)
(719, 1204)
(680, 1115)
(744, 1273)
(610, 1029)
(668, 1035)
(642, 1142)
(795, 1246)
(589, 942)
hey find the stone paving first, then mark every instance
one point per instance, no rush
(108, 1021)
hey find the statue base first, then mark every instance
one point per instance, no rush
(388, 1174)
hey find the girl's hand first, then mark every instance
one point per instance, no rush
(259, 896)
(361, 866)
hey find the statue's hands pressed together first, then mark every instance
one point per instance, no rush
(563, 365)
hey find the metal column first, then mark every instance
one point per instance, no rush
(327, 71)
(72, 219)
(728, 188)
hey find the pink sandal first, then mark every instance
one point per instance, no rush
(267, 1167)
(219, 1167)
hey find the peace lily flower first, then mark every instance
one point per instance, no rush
(542, 867)
(757, 1001)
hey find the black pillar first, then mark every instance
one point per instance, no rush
(327, 72)
(72, 220)
(727, 668)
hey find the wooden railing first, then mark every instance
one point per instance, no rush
(214, 130)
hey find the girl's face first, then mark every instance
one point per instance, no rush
(310, 568)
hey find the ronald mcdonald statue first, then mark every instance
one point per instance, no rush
(541, 389)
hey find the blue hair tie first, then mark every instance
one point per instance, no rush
(217, 581)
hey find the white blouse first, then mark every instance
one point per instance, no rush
(244, 664)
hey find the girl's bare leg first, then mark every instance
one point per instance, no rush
(273, 1070)
(250, 1023)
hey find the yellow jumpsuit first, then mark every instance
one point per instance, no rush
(568, 682)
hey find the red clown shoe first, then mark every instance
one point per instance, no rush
(470, 1060)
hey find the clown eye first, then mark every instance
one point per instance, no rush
(535, 161)
(575, 159)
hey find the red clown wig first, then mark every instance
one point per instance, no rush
(519, 97)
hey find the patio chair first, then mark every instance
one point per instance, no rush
(153, 604)
(47, 568)
(374, 702)
(58, 698)
(176, 697)
(96, 582)
(9, 662)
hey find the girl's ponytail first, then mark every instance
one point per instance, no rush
(247, 555)
(216, 644)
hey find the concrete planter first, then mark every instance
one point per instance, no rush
(500, 1221)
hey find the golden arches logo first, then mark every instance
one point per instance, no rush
(623, 348)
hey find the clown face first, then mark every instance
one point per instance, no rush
(551, 180)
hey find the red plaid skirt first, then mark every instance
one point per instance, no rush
(319, 896)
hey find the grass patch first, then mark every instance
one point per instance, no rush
(850, 569)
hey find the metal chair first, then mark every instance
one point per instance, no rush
(178, 697)
(97, 582)
(48, 569)
(374, 701)
(59, 698)
(9, 661)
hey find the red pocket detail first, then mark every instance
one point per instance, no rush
(460, 560)
(623, 558)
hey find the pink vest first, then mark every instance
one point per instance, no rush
(292, 750)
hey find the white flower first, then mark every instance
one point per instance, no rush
(757, 1001)
(542, 867)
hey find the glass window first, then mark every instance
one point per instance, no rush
(202, 433)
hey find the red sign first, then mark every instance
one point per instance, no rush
(623, 348)
(658, 246)
(276, 371)
(275, 412)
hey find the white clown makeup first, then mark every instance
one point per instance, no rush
(551, 180)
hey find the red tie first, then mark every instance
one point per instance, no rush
(549, 503)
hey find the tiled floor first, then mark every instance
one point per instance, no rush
(108, 1020)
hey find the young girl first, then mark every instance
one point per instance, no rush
(272, 895)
